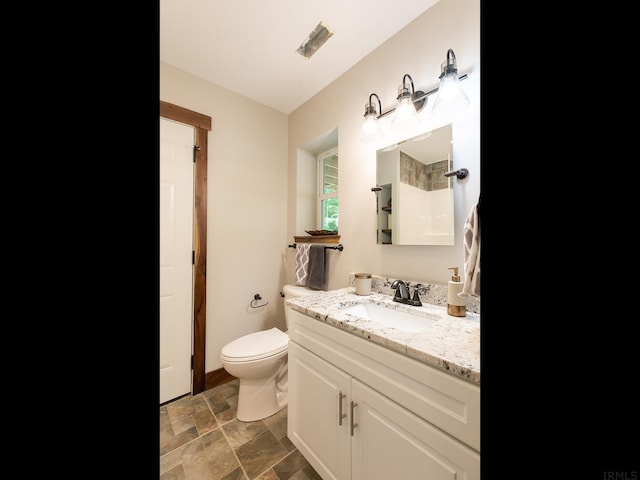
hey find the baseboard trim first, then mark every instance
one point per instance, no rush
(217, 377)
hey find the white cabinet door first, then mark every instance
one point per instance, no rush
(318, 393)
(391, 442)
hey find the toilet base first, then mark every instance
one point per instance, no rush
(258, 399)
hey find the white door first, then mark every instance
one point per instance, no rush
(176, 264)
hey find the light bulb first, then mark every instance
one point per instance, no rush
(451, 97)
(370, 131)
(405, 109)
(406, 116)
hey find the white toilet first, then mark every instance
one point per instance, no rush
(259, 361)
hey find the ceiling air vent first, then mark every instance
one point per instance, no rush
(315, 40)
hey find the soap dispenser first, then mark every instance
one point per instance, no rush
(456, 306)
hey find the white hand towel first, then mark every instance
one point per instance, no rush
(302, 263)
(472, 254)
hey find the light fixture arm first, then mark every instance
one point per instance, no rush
(450, 66)
(371, 108)
(404, 87)
(417, 98)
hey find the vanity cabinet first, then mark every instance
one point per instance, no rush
(360, 411)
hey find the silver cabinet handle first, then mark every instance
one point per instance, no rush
(353, 425)
(340, 414)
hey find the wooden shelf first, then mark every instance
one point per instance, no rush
(317, 239)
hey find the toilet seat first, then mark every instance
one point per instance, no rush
(255, 346)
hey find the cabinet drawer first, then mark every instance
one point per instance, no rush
(447, 402)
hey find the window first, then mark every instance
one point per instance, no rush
(328, 190)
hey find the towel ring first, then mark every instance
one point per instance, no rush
(257, 297)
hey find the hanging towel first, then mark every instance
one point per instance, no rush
(472, 253)
(317, 268)
(302, 263)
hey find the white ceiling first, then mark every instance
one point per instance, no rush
(249, 46)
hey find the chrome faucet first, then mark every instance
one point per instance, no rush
(402, 291)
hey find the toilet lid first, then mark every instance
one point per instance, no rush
(256, 345)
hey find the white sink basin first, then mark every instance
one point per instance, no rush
(388, 317)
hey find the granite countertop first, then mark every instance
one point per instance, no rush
(451, 344)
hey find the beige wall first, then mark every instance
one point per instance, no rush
(246, 204)
(418, 50)
(252, 176)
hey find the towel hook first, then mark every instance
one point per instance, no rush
(462, 173)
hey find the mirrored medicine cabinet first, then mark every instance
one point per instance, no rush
(414, 198)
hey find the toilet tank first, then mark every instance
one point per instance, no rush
(292, 291)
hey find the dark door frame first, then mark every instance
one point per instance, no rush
(202, 125)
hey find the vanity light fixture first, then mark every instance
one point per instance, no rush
(406, 112)
(451, 97)
(370, 131)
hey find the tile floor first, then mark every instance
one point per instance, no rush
(201, 439)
